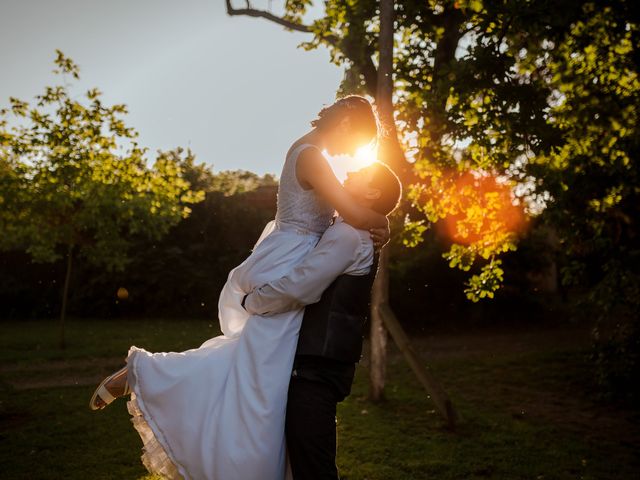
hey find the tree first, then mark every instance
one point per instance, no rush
(379, 83)
(506, 110)
(465, 109)
(75, 183)
(592, 176)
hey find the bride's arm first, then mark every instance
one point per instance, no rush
(313, 169)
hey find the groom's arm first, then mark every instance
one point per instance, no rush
(336, 251)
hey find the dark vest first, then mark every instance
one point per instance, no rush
(334, 327)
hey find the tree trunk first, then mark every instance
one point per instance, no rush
(65, 295)
(378, 351)
(380, 292)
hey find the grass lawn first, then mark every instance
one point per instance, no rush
(524, 397)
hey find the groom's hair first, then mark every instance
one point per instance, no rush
(390, 188)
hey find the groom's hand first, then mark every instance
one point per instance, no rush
(380, 236)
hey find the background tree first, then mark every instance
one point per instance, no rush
(75, 183)
(591, 174)
(505, 109)
(465, 108)
(177, 276)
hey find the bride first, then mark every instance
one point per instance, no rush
(217, 411)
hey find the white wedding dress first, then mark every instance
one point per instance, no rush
(217, 412)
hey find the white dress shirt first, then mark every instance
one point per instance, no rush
(342, 249)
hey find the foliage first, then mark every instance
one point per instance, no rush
(180, 274)
(69, 179)
(540, 97)
(468, 109)
(501, 90)
(73, 175)
(592, 176)
(183, 273)
(231, 182)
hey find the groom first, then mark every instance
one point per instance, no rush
(334, 283)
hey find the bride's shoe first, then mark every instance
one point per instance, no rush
(103, 394)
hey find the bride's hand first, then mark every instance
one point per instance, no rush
(380, 236)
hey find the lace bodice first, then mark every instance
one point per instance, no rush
(297, 206)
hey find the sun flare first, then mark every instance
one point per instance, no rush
(482, 210)
(365, 156)
(341, 164)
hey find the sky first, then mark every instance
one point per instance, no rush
(236, 90)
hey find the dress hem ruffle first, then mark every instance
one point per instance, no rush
(157, 456)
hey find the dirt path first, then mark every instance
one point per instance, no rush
(435, 346)
(59, 373)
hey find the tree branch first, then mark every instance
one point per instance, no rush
(253, 12)
(367, 69)
(366, 66)
(370, 73)
(444, 56)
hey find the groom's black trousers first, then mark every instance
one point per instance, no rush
(316, 387)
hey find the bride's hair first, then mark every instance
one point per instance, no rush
(360, 111)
